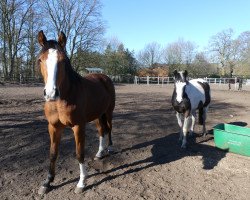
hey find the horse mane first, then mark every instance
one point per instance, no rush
(70, 72)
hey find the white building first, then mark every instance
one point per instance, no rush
(94, 70)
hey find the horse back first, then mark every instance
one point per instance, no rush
(206, 88)
(99, 95)
(102, 81)
(198, 91)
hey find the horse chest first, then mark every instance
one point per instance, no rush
(61, 113)
(183, 106)
(68, 114)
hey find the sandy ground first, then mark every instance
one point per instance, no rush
(148, 164)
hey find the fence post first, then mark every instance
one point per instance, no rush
(20, 78)
(147, 80)
(135, 80)
(235, 83)
(162, 81)
(158, 80)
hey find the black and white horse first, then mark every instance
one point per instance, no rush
(188, 96)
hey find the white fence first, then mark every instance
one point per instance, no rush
(153, 80)
(170, 80)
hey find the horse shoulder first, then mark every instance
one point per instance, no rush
(195, 93)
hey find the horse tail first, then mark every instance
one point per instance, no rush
(110, 88)
(201, 116)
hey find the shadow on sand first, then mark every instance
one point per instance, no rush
(164, 150)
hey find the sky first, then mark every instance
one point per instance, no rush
(136, 23)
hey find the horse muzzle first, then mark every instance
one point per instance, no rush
(52, 95)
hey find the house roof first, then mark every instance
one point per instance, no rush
(94, 69)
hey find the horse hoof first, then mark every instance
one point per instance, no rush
(101, 155)
(79, 190)
(43, 190)
(111, 151)
(97, 158)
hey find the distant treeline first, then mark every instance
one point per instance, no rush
(84, 26)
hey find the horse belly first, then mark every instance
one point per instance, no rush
(96, 112)
(97, 107)
(197, 102)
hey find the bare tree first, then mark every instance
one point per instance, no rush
(173, 56)
(80, 20)
(150, 54)
(179, 55)
(201, 67)
(225, 49)
(244, 54)
(113, 42)
(31, 28)
(13, 17)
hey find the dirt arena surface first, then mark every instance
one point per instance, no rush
(148, 163)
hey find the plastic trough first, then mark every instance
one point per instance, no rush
(235, 139)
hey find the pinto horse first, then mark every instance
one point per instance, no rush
(188, 96)
(72, 101)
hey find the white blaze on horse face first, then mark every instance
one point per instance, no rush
(83, 176)
(179, 90)
(51, 63)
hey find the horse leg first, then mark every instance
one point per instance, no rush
(55, 137)
(193, 116)
(186, 127)
(101, 131)
(179, 120)
(109, 130)
(79, 133)
(205, 109)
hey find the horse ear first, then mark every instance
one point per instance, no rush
(62, 39)
(42, 38)
(185, 73)
(175, 73)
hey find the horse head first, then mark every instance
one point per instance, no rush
(51, 61)
(180, 81)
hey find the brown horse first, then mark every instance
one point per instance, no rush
(72, 100)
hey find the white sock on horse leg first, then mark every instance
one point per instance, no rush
(186, 128)
(102, 146)
(192, 125)
(83, 176)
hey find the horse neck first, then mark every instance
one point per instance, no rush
(67, 84)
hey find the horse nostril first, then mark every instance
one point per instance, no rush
(44, 92)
